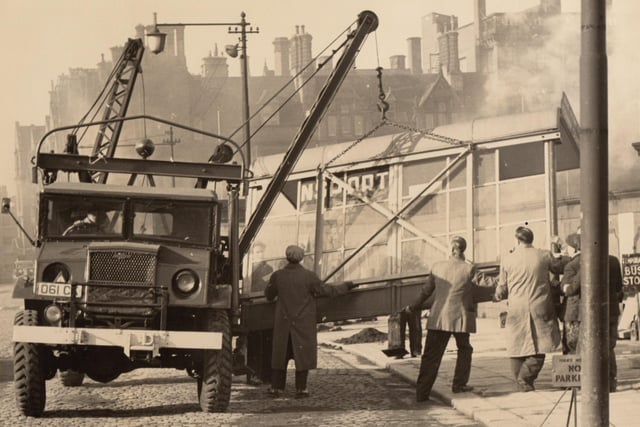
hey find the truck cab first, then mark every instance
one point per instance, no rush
(125, 277)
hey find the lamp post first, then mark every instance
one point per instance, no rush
(156, 45)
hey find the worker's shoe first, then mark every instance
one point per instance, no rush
(301, 394)
(461, 388)
(525, 387)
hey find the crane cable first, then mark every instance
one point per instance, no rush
(383, 107)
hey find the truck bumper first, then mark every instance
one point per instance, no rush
(128, 339)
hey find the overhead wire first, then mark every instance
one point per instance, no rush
(290, 81)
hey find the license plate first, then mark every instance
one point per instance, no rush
(56, 290)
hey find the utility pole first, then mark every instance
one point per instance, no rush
(171, 142)
(244, 71)
(594, 262)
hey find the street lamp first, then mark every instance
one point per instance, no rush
(157, 39)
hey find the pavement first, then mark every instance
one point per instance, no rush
(494, 400)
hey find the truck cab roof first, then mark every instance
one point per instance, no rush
(89, 189)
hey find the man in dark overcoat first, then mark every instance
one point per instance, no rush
(452, 285)
(571, 288)
(294, 329)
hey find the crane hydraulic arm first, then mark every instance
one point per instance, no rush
(367, 22)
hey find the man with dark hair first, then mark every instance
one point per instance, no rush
(453, 312)
(294, 329)
(532, 328)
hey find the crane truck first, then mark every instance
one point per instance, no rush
(129, 276)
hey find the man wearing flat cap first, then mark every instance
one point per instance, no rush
(532, 327)
(294, 329)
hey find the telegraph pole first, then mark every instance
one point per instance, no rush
(171, 143)
(594, 265)
(244, 71)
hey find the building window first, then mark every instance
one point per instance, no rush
(346, 126)
(358, 124)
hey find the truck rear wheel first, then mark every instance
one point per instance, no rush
(71, 378)
(214, 383)
(29, 370)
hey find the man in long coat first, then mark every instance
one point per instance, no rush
(532, 327)
(294, 329)
(571, 288)
(453, 285)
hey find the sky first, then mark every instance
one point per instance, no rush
(42, 39)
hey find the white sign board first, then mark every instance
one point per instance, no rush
(565, 371)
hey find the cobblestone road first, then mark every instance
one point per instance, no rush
(345, 391)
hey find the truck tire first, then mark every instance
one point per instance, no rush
(29, 370)
(214, 383)
(71, 378)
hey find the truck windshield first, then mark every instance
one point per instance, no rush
(74, 216)
(184, 222)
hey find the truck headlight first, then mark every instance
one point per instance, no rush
(53, 314)
(185, 282)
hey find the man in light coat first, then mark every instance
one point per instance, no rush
(532, 328)
(294, 329)
(453, 312)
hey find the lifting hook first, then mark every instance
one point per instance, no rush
(383, 106)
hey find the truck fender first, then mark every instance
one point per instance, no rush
(23, 289)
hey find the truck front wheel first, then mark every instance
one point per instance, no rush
(214, 381)
(29, 370)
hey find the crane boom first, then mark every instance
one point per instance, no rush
(118, 97)
(367, 22)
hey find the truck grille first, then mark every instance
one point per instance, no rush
(119, 278)
(122, 266)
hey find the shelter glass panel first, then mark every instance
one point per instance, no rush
(277, 233)
(429, 213)
(522, 200)
(419, 255)
(485, 245)
(307, 232)
(568, 184)
(485, 167)
(416, 175)
(458, 210)
(330, 261)
(484, 208)
(457, 174)
(521, 160)
(373, 261)
(361, 222)
(333, 230)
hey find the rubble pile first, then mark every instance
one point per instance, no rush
(364, 336)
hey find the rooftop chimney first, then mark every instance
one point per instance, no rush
(281, 53)
(397, 62)
(215, 65)
(415, 55)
